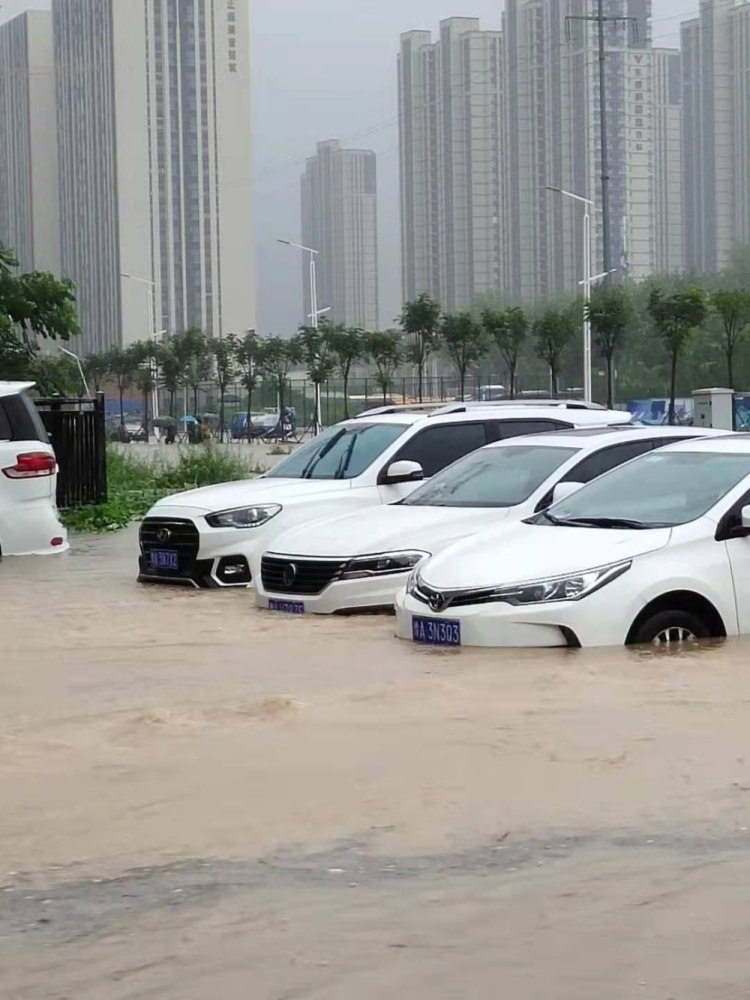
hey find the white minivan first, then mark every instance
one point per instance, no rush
(29, 524)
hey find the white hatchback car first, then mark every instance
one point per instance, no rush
(29, 524)
(361, 560)
(212, 537)
(657, 551)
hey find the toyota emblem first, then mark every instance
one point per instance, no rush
(290, 574)
(438, 602)
(163, 534)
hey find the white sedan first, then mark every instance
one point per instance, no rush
(361, 560)
(656, 551)
(29, 524)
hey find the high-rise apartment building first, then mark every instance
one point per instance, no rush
(741, 106)
(451, 123)
(340, 221)
(154, 140)
(29, 222)
(554, 140)
(668, 198)
(711, 156)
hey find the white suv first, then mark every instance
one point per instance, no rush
(213, 537)
(29, 524)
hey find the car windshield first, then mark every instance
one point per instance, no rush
(492, 477)
(341, 452)
(657, 490)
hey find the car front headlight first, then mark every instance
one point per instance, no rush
(384, 564)
(244, 517)
(560, 588)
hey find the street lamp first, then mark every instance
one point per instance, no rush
(588, 205)
(151, 285)
(80, 368)
(314, 316)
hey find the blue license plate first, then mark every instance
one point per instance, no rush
(289, 607)
(163, 559)
(433, 632)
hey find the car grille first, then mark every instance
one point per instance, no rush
(439, 600)
(299, 576)
(183, 539)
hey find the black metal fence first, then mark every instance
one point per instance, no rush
(76, 430)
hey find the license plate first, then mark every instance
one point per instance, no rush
(433, 632)
(289, 607)
(163, 559)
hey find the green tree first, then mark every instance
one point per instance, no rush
(225, 356)
(172, 372)
(16, 355)
(385, 350)
(121, 366)
(55, 375)
(508, 328)
(420, 320)
(37, 302)
(143, 353)
(96, 370)
(276, 360)
(675, 318)
(733, 310)
(465, 343)
(609, 312)
(199, 361)
(347, 348)
(248, 355)
(553, 332)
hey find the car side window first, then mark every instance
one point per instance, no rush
(602, 461)
(436, 447)
(6, 434)
(515, 428)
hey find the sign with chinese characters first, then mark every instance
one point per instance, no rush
(232, 34)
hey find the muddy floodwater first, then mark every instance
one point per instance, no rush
(202, 800)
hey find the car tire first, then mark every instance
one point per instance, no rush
(671, 628)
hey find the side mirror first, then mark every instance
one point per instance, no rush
(403, 472)
(563, 490)
(745, 519)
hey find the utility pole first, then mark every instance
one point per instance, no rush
(601, 21)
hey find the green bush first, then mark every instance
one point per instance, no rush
(134, 484)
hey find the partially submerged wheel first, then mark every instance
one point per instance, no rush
(671, 628)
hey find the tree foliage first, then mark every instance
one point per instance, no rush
(732, 308)
(348, 347)
(465, 343)
(553, 332)
(385, 350)
(420, 320)
(675, 318)
(508, 328)
(609, 312)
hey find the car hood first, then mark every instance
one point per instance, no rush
(386, 529)
(225, 496)
(526, 552)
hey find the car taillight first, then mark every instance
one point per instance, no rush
(31, 465)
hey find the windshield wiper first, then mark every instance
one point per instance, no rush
(607, 522)
(318, 457)
(345, 459)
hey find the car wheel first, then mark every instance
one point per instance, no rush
(671, 628)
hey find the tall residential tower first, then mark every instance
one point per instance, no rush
(340, 221)
(154, 145)
(29, 221)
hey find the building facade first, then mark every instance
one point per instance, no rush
(154, 142)
(669, 237)
(340, 221)
(29, 221)
(452, 124)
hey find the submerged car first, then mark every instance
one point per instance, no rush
(213, 536)
(361, 560)
(655, 551)
(29, 524)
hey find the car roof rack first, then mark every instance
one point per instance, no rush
(560, 404)
(380, 411)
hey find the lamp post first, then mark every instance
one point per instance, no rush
(80, 367)
(151, 285)
(315, 314)
(588, 206)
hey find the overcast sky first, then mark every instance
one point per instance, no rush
(326, 69)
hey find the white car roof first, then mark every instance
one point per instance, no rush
(599, 437)
(13, 388)
(523, 411)
(726, 443)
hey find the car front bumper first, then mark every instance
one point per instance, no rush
(601, 619)
(370, 593)
(207, 557)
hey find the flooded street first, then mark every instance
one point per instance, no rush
(201, 799)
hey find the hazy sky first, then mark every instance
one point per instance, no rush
(326, 69)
